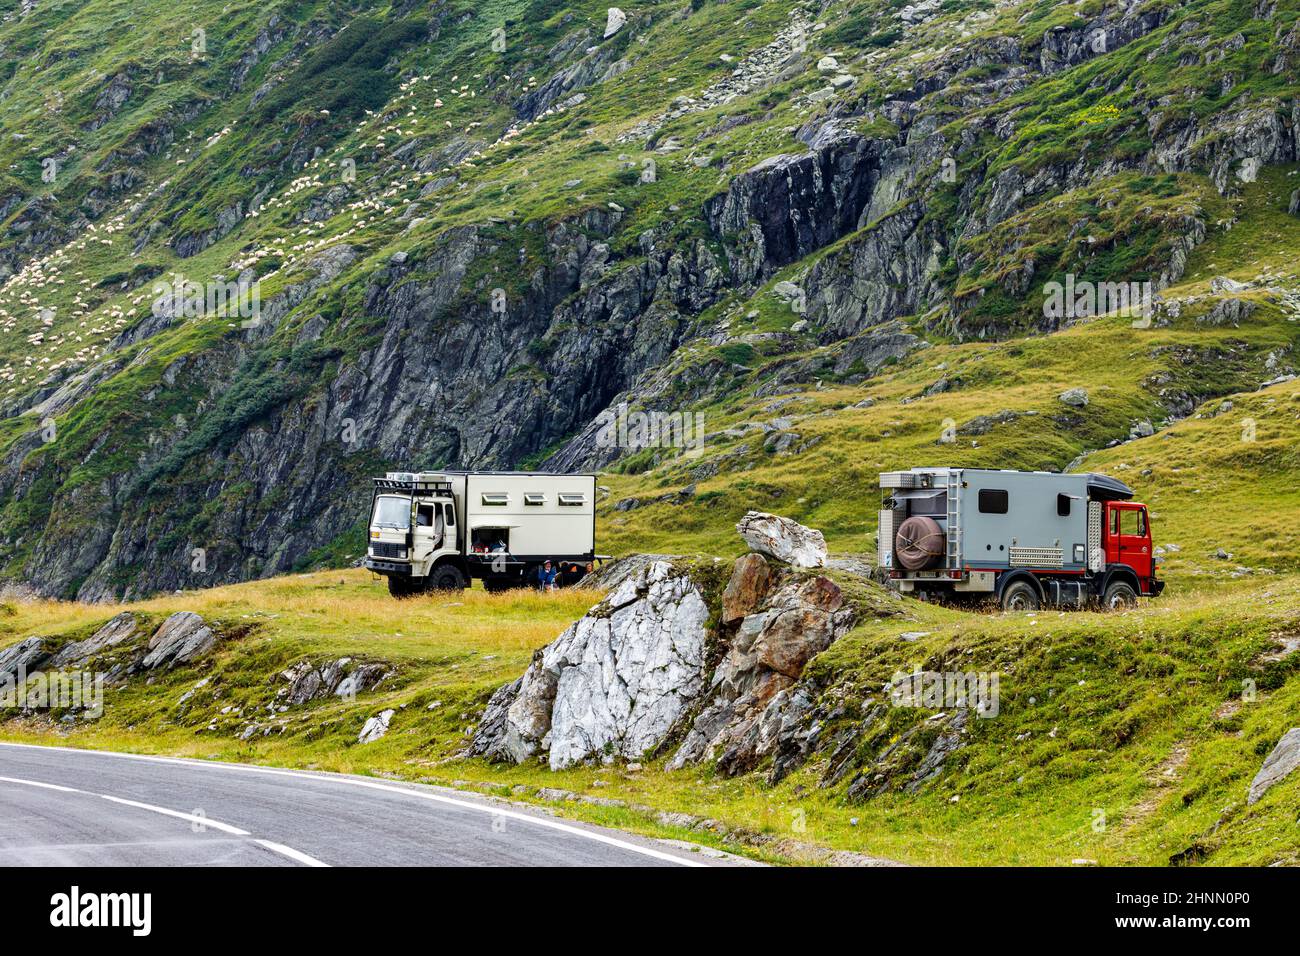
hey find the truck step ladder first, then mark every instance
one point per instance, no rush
(954, 519)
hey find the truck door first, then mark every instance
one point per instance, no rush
(1128, 537)
(428, 529)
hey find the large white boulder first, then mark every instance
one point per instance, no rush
(614, 684)
(783, 539)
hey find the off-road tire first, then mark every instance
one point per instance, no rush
(1020, 596)
(400, 587)
(1119, 596)
(447, 577)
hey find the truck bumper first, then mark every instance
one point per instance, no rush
(397, 568)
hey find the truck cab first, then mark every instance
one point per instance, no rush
(414, 530)
(1025, 539)
(1128, 540)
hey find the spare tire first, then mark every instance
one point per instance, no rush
(920, 543)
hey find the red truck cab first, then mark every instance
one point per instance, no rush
(1126, 538)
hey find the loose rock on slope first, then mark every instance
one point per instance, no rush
(1280, 763)
(783, 539)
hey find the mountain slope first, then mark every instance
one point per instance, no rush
(472, 228)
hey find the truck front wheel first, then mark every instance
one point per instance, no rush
(1020, 596)
(401, 587)
(447, 578)
(1119, 596)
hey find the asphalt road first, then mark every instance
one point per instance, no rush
(64, 807)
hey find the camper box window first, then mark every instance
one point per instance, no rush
(929, 503)
(993, 501)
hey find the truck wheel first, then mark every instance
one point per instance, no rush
(401, 587)
(1020, 596)
(1119, 596)
(447, 578)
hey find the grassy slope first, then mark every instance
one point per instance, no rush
(457, 91)
(1136, 715)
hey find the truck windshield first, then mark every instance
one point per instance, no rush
(392, 512)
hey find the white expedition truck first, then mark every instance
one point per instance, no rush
(438, 530)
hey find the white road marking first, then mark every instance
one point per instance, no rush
(492, 810)
(43, 786)
(193, 818)
(291, 853)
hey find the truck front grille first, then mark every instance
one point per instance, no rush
(387, 549)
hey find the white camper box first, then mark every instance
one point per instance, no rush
(541, 515)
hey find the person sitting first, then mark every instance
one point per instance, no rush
(546, 577)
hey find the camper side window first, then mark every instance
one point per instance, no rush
(992, 501)
(1063, 505)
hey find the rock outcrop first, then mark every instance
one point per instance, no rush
(181, 639)
(25, 657)
(615, 684)
(746, 587)
(117, 631)
(641, 670)
(614, 20)
(755, 701)
(376, 727)
(1283, 761)
(340, 678)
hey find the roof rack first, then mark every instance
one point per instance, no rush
(409, 481)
